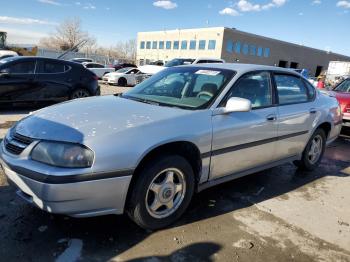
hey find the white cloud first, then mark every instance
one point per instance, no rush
(246, 6)
(316, 2)
(50, 2)
(24, 21)
(165, 4)
(18, 36)
(344, 4)
(89, 6)
(301, 14)
(249, 6)
(229, 11)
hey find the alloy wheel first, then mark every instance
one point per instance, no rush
(165, 193)
(315, 150)
(80, 94)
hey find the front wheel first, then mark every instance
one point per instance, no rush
(162, 192)
(313, 152)
(79, 93)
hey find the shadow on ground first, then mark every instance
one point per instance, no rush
(26, 230)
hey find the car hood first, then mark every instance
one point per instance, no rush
(151, 69)
(114, 74)
(84, 119)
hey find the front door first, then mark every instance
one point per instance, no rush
(245, 140)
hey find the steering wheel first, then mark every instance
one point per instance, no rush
(206, 94)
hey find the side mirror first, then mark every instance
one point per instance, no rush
(235, 104)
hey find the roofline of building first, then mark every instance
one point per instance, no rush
(245, 33)
(285, 42)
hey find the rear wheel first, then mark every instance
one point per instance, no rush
(80, 93)
(313, 152)
(162, 193)
(122, 82)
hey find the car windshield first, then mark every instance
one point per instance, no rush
(177, 62)
(123, 70)
(344, 86)
(184, 87)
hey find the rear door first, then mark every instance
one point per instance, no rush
(17, 81)
(296, 113)
(245, 140)
(54, 80)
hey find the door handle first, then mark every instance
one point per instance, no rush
(271, 118)
(313, 111)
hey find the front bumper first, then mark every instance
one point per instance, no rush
(93, 195)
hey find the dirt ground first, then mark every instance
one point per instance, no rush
(280, 214)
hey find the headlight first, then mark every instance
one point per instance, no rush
(63, 154)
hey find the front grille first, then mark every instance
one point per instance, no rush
(16, 143)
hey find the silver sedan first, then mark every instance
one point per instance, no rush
(147, 151)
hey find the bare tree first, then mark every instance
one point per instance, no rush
(67, 35)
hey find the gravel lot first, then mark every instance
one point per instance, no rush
(280, 214)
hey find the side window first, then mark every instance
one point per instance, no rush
(255, 87)
(21, 68)
(310, 88)
(290, 89)
(51, 68)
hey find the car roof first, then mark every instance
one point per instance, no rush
(242, 68)
(29, 58)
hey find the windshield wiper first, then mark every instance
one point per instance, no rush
(142, 100)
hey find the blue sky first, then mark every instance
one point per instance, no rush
(322, 24)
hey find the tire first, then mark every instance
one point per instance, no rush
(122, 82)
(80, 93)
(152, 211)
(308, 162)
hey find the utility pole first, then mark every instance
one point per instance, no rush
(3, 36)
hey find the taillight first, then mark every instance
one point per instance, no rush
(95, 77)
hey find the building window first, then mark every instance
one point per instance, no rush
(148, 45)
(252, 50)
(260, 51)
(154, 45)
(168, 44)
(229, 46)
(161, 44)
(142, 45)
(267, 52)
(184, 45)
(202, 44)
(176, 45)
(211, 44)
(193, 44)
(238, 48)
(245, 49)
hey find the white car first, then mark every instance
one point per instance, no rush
(123, 77)
(99, 69)
(7, 53)
(153, 69)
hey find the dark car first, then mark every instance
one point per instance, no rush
(37, 79)
(122, 65)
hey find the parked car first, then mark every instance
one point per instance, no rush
(181, 131)
(342, 93)
(82, 60)
(37, 79)
(99, 69)
(122, 77)
(122, 65)
(7, 53)
(153, 69)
